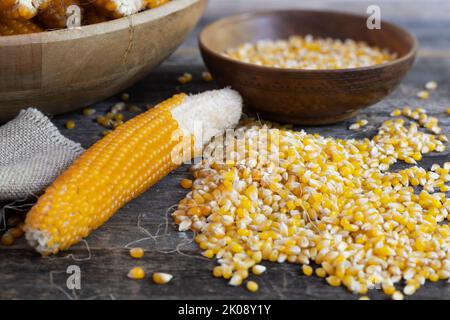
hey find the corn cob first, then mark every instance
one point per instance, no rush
(124, 164)
(21, 9)
(14, 27)
(92, 16)
(55, 15)
(119, 8)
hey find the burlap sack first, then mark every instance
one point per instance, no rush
(32, 154)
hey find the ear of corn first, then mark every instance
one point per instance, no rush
(55, 15)
(155, 3)
(21, 9)
(124, 164)
(119, 8)
(15, 27)
(92, 16)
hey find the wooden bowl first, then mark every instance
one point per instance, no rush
(62, 70)
(307, 97)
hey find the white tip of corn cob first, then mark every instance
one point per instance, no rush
(39, 241)
(129, 7)
(208, 114)
(31, 5)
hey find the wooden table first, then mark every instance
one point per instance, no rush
(25, 275)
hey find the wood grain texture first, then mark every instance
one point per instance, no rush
(59, 71)
(25, 275)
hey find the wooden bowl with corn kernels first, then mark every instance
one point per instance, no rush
(62, 70)
(300, 95)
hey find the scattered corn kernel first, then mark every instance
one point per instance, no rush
(206, 76)
(186, 183)
(423, 95)
(70, 124)
(161, 278)
(352, 216)
(258, 269)
(409, 290)
(355, 126)
(136, 273)
(136, 253)
(88, 111)
(431, 85)
(364, 298)
(252, 286)
(397, 296)
(125, 97)
(185, 78)
(116, 108)
(307, 270)
(7, 239)
(15, 232)
(235, 280)
(321, 273)
(396, 113)
(135, 109)
(363, 122)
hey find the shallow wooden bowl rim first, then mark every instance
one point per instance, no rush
(250, 15)
(94, 29)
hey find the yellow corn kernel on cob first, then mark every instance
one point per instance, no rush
(21, 9)
(124, 164)
(55, 15)
(155, 3)
(119, 8)
(14, 27)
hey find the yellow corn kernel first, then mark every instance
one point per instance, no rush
(252, 286)
(206, 76)
(320, 272)
(186, 183)
(88, 111)
(161, 278)
(217, 272)
(70, 124)
(7, 239)
(16, 232)
(136, 273)
(397, 295)
(396, 113)
(423, 95)
(185, 78)
(333, 281)
(125, 97)
(258, 269)
(208, 254)
(136, 253)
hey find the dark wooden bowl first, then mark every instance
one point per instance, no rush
(306, 96)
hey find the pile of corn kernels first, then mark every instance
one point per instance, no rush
(311, 53)
(327, 204)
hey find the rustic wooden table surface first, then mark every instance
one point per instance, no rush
(25, 275)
